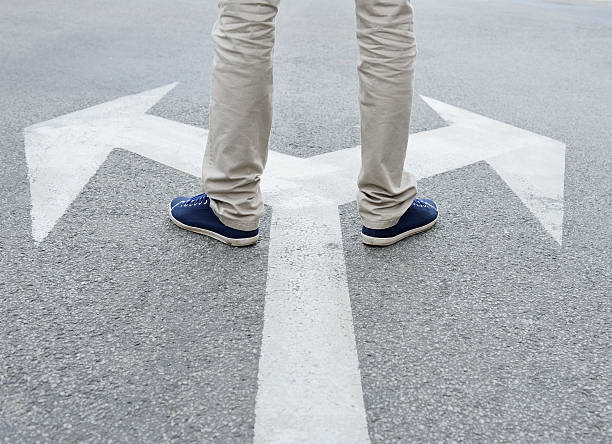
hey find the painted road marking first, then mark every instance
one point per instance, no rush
(309, 380)
(309, 383)
(64, 153)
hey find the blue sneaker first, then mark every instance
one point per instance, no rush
(194, 214)
(420, 216)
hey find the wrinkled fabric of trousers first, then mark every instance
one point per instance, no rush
(241, 109)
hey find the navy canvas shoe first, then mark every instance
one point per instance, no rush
(420, 216)
(194, 214)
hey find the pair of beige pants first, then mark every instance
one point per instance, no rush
(241, 109)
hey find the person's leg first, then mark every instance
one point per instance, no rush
(387, 50)
(240, 110)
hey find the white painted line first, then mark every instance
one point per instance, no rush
(309, 381)
(309, 384)
(535, 176)
(63, 153)
(532, 165)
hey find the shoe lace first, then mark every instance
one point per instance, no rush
(200, 199)
(419, 203)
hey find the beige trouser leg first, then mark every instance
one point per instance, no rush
(241, 109)
(387, 50)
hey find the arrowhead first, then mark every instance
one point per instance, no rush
(452, 114)
(64, 153)
(536, 175)
(532, 165)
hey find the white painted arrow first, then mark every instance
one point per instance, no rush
(532, 165)
(65, 152)
(309, 382)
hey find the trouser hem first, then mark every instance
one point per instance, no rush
(380, 224)
(242, 225)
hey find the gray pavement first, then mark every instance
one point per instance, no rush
(120, 327)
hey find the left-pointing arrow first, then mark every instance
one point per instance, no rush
(65, 152)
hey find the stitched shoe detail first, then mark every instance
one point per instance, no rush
(177, 200)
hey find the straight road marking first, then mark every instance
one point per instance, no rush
(309, 381)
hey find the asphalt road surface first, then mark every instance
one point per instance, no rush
(117, 326)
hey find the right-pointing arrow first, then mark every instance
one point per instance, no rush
(63, 153)
(532, 165)
(309, 382)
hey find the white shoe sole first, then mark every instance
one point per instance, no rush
(239, 242)
(385, 241)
